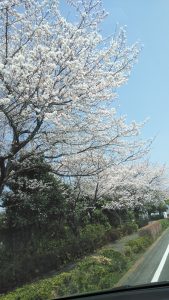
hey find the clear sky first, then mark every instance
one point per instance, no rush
(147, 93)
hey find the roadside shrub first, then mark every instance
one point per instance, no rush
(141, 222)
(92, 236)
(164, 223)
(91, 274)
(135, 246)
(156, 217)
(45, 254)
(113, 235)
(128, 228)
(128, 251)
(35, 291)
(151, 230)
(131, 228)
(119, 261)
(97, 272)
(139, 244)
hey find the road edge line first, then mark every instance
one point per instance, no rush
(160, 266)
(139, 261)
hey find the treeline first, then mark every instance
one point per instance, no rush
(46, 225)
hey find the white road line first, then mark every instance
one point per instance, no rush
(161, 265)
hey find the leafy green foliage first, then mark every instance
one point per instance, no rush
(138, 245)
(119, 261)
(114, 234)
(44, 254)
(128, 228)
(97, 272)
(141, 222)
(128, 251)
(50, 228)
(36, 205)
(164, 223)
(93, 236)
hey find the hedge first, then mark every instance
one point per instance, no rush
(97, 272)
(128, 228)
(147, 234)
(137, 245)
(164, 223)
(49, 254)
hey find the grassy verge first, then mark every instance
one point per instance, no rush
(97, 272)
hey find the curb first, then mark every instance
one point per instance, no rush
(126, 276)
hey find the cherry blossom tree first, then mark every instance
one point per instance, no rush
(129, 186)
(144, 185)
(58, 82)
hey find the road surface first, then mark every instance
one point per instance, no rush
(154, 266)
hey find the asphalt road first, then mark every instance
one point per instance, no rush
(154, 265)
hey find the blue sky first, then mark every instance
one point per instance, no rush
(147, 93)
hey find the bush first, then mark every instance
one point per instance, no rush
(128, 228)
(47, 254)
(38, 291)
(151, 230)
(128, 251)
(164, 223)
(156, 217)
(93, 273)
(139, 244)
(114, 234)
(131, 228)
(119, 261)
(141, 222)
(93, 236)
